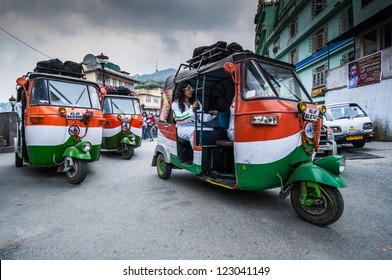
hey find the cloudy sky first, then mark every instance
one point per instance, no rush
(135, 34)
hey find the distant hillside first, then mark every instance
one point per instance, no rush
(5, 107)
(159, 76)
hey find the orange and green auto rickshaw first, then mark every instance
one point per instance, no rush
(59, 121)
(123, 123)
(276, 132)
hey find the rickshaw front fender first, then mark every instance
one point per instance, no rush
(74, 152)
(126, 140)
(161, 149)
(314, 173)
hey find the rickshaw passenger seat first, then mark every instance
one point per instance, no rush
(208, 137)
(223, 119)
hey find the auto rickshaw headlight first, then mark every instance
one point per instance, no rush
(342, 165)
(89, 114)
(62, 110)
(86, 147)
(323, 109)
(302, 106)
(119, 117)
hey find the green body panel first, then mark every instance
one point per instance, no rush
(194, 168)
(115, 141)
(256, 177)
(311, 172)
(53, 155)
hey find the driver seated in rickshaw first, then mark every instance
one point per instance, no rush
(184, 108)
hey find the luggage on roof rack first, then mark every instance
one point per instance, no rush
(120, 90)
(207, 54)
(57, 67)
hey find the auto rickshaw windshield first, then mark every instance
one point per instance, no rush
(121, 106)
(285, 84)
(64, 94)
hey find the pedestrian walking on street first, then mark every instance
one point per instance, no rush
(150, 125)
(144, 125)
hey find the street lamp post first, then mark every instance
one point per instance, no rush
(12, 101)
(102, 59)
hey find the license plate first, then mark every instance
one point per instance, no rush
(311, 114)
(358, 137)
(74, 116)
(320, 151)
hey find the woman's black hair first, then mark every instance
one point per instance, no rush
(181, 95)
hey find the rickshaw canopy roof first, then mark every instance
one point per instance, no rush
(183, 75)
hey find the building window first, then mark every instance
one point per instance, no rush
(318, 6)
(319, 39)
(293, 56)
(387, 35)
(156, 100)
(293, 28)
(346, 20)
(114, 82)
(319, 75)
(120, 83)
(370, 42)
(366, 2)
(148, 99)
(346, 58)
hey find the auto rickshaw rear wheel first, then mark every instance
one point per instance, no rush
(78, 172)
(164, 169)
(127, 151)
(328, 210)
(18, 160)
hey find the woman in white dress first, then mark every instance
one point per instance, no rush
(184, 112)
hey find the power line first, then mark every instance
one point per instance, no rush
(25, 43)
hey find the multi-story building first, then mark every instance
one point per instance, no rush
(149, 94)
(114, 76)
(323, 38)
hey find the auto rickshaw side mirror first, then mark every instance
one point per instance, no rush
(229, 68)
(21, 81)
(103, 91)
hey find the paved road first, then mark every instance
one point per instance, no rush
(124, 211)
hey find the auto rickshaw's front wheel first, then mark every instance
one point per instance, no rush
(127, 151)
(78, 171)
(321, 211)
(164, 169)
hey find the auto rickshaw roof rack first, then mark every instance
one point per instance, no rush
(57, 67)
(207, 54)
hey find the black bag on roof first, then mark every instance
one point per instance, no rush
(234, 47)
(51, 64)
(73, 67)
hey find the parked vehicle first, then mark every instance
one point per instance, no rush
(123, 124)
(350, 124)
(59, 120)
(327, 144)
(276, 132)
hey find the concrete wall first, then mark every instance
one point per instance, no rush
(375, 99)
(7, 130)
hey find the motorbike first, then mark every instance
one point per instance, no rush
(123, 124)
(276, 133)
(59, 122)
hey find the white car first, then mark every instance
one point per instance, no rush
(350, 124)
